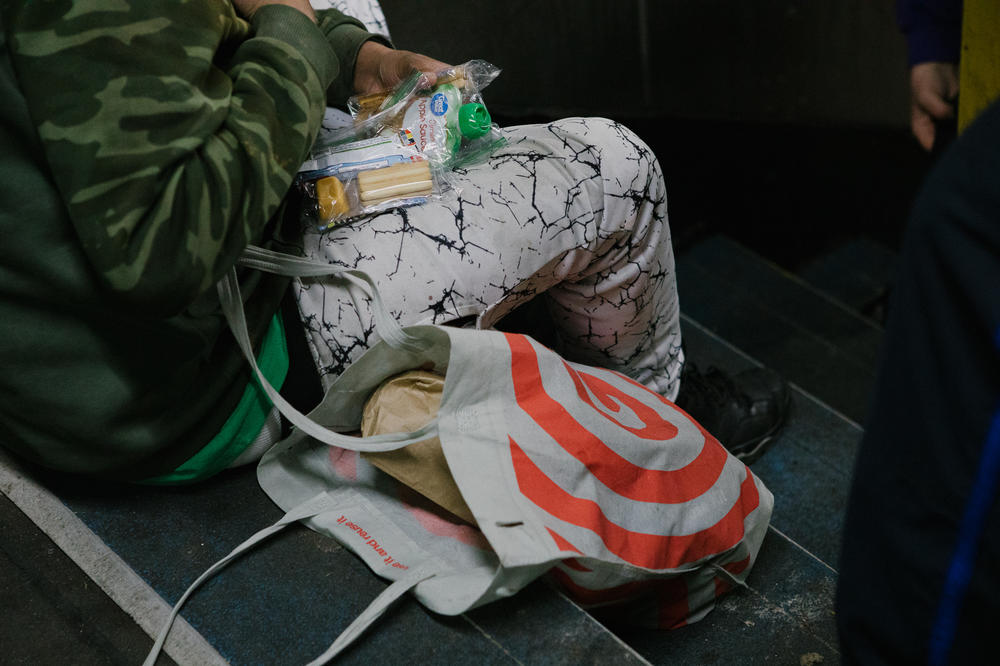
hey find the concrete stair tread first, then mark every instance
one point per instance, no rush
(814, 340)
(857, 272)
(785, 614)
(289, 598)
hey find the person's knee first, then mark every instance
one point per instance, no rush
(612, 136)
(624, 156)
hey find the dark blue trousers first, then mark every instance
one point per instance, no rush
(920, 567)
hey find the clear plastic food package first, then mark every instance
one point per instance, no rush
(449, 120)
(402, 146)
(366, 175)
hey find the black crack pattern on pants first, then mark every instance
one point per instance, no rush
(574, 211)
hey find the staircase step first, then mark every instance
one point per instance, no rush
(44, 593)
(784, 616)
(857, 273)
(289, 598)
(774, 316)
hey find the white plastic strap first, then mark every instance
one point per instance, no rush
(232, 307)
(312, 507)
(377, 607)
(270, 261)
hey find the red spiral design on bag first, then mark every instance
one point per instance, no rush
(656, 427)
(650, 551)
(614, 471)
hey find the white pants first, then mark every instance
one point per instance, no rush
(573, 211)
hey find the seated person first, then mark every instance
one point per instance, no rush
(147, 145)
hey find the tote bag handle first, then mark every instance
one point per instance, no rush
(312, 507)
(386, 326)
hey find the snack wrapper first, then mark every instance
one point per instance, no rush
(401, 147)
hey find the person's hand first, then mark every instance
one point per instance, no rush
(933, 88)
(247, 8)
(379, 68)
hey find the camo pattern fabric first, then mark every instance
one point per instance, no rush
(175, 131)
(574, 212)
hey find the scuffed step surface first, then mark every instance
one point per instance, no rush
(785, 615)
(808, 468)
(52, 612)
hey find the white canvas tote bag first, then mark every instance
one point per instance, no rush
(569, 469)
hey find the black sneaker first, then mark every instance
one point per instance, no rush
(744, 412)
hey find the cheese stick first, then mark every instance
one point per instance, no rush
(398, 180)
(397, 173)
(416, 188)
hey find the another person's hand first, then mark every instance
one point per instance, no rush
(379, 67)
(933, 88)
(247, 8)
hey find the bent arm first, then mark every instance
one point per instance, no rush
(172, 130)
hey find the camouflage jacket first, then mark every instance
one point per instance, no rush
(143, 145)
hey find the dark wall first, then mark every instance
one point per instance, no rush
(780, 122)
(832, 62)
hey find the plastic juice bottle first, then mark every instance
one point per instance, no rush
(439, 122)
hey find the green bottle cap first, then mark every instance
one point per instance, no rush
(473, 120)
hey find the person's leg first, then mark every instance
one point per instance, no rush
(573, 210)
(921, 552)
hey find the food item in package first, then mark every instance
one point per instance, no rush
(449, 120)
(402, 146)
(354, 178)
(409, 178)
(440, 121)
(331, 197)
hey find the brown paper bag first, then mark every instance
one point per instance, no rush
(404, 403)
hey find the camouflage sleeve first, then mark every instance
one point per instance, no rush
(346, 34)
(171, 129)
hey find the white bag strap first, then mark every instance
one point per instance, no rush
(311, 507)
(232, 307)
(376, 608)
(394, 335)
(270, 261)
(385, 324)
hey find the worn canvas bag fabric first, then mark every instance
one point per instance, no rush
(569, 469)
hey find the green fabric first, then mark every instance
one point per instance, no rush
(246, 421)
(143, 145)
